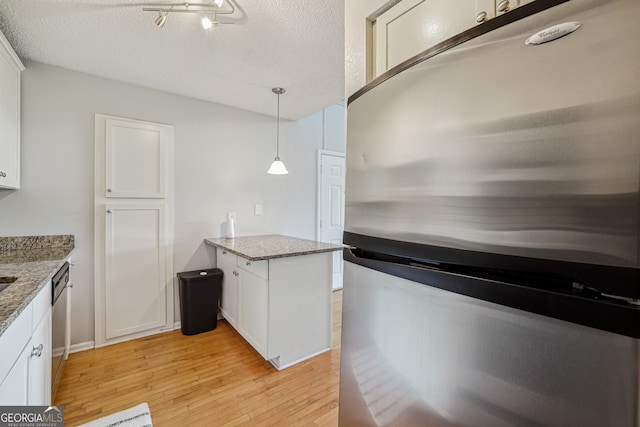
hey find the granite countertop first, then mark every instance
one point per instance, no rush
(33, 260)
(256, 248)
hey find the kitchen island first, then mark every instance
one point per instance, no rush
(276, 292)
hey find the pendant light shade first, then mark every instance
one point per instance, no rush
(277, 167)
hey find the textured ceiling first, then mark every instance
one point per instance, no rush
(298, 45)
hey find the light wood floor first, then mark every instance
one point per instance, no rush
(209, 379)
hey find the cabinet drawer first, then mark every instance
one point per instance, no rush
(13, 340)
(259, 268)
(222, 254)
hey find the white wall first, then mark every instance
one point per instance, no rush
(221, 156)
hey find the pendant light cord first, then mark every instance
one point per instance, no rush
(278, 129)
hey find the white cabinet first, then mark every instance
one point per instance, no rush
(39, 383)
(25, 371)
(135, 269)
(229, 299)
(413, 26)
(253, 293)
(136, 159)
(133, 227)
(10, 69)
(281, 306)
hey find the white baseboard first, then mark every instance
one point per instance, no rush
(87, 345)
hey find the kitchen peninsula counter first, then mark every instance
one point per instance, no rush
(33, 260)
(256, 248)
(276, 292)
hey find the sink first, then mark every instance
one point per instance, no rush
(5, 281)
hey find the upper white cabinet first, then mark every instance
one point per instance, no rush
(10, 69)
(413, 26)
(136, 159)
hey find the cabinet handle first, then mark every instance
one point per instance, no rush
(108, 190)
(481, 17)
(108, 210)
(37, 351)
(235, 273)
(503, 6)
(224, 252)
(248, 263)
(2, 174)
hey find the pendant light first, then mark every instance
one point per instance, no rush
(277, 167)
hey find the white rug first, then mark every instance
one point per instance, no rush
(138, 416)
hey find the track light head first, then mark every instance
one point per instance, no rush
(208, 22)
(160, 20)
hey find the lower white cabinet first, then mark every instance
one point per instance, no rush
(229, 299)
(39, 382)
(25, 359)
(253, 301)
(14, 388)
(281, 306)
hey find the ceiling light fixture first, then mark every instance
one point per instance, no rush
(277, 167)
(209, 9)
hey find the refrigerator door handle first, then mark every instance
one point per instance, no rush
(607, 314)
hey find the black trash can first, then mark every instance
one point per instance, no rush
(199, 298)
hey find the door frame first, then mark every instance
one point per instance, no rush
(322, 153)
(100, 203)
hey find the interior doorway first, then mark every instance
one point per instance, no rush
(331, 183)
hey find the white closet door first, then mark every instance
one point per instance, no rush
(135, 159)
(135, 269)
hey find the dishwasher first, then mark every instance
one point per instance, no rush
(60, 325)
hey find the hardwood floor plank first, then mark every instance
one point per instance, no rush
(210, 379)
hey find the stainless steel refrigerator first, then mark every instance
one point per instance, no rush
(493, 219)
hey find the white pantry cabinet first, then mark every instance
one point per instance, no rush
(10, 69)
(25, 370)
(281, 306)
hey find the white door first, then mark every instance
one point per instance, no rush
(134, 289)
(332, 178)
(135, 266)
(413, 26)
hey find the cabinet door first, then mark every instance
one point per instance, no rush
(504, 6)
(9, 116)
(252, 313)
(39, 388)
(413, 26)
(135, 269)
(229, 298)
(136, 159)
(14, 388)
